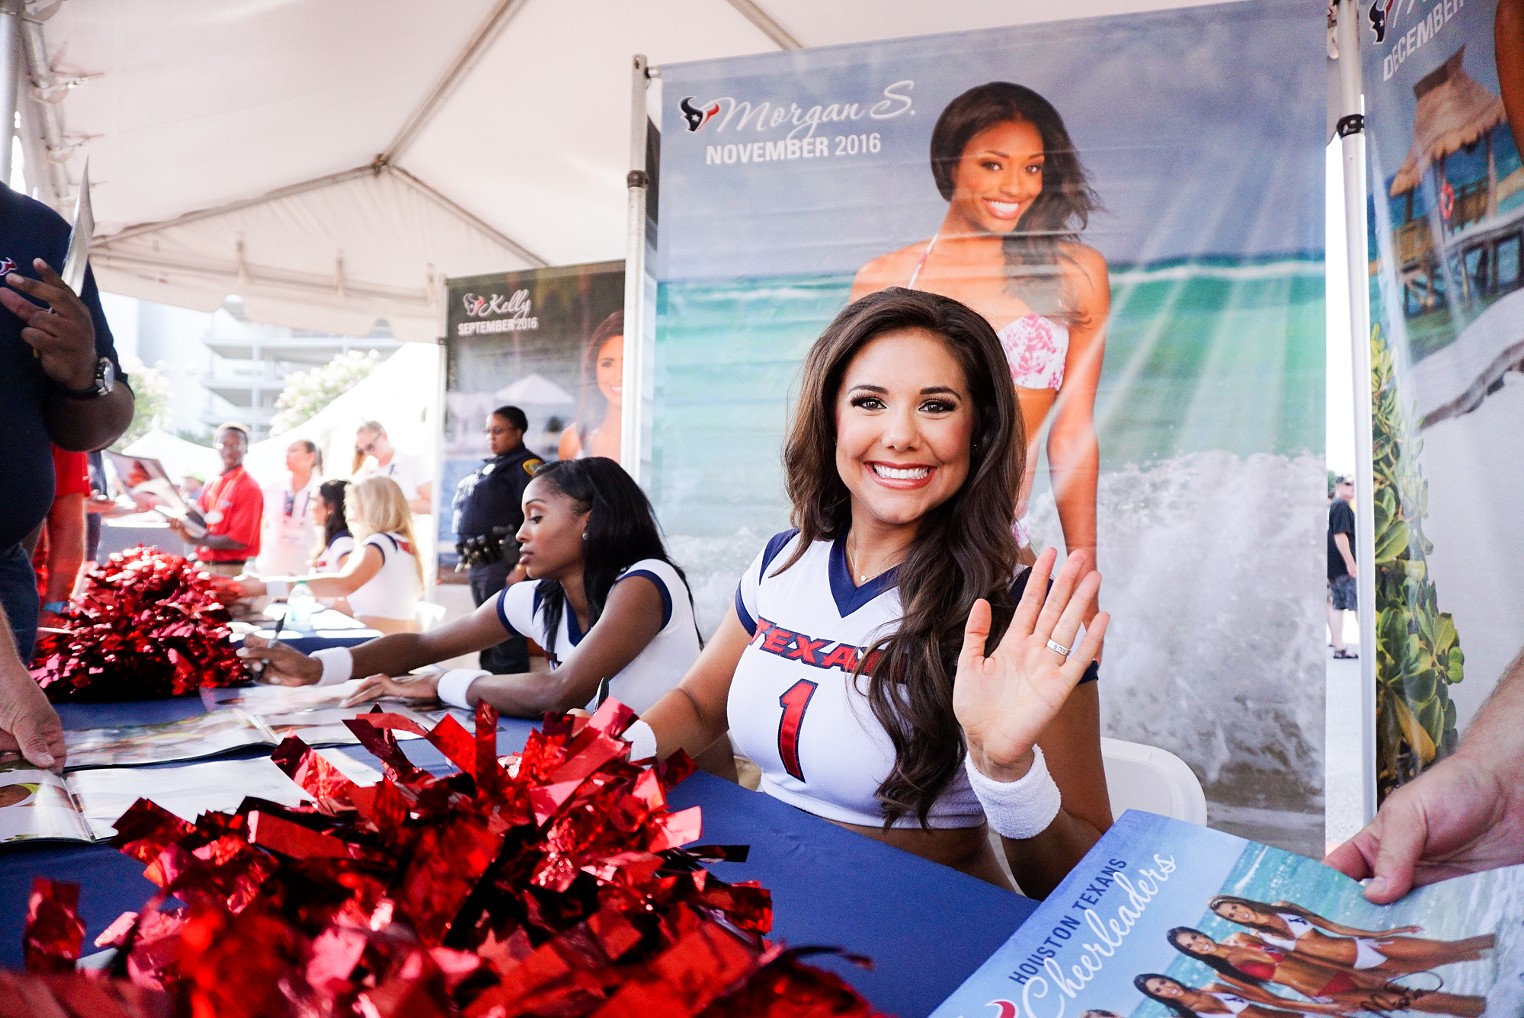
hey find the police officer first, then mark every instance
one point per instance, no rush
(488, 513)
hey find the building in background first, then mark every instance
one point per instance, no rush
(221, 366)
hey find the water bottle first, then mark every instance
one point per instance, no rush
(300, 606)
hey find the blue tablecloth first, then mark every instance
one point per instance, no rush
(925, 926)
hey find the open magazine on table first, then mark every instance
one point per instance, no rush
(264, 700)
(145, 477)
(216, 732)
(39, 805)
(1164, 919)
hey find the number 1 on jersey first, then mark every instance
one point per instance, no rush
(794, 702)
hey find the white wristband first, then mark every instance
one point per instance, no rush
(456, 683)
(338, 665)
(1017, 809)
(642, 740)
(277, 589)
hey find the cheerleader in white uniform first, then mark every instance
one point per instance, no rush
(382, 578)
(606, 602)
(879, 664)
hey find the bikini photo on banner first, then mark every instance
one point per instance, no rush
(1135, 205)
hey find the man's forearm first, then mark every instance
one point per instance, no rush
(1492, 737)
(220, 542)
(84, 425)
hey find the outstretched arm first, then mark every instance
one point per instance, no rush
(1464, 815)
(1023, 695)
(1344, 931)
(391, 655)
(630, 620)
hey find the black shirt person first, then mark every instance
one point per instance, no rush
(487, 515)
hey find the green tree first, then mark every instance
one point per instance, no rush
(150, 390)
(307, 392)
(1418, 652)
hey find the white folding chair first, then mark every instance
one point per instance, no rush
(1153, 779)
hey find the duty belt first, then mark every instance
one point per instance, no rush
(484, 549)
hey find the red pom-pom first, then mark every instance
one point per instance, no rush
(554, 882)
(147, 625)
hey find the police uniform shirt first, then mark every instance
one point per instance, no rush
(493, 495)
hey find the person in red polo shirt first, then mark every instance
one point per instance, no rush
(232, 505)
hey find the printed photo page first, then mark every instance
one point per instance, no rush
(1164, 919)
(217, 732)
(84, 805)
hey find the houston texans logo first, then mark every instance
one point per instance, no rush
(1380, 9)
(696, 117)
(7, 266)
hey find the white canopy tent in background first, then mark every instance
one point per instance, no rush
(389, 394)
(330, 161)
(180, 458)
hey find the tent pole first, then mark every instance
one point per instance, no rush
(639, 349)
(1352, 134)
(10, 77)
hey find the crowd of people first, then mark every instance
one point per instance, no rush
(896, 662)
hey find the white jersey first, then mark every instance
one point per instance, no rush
(795, 709)
(656, 669)
(288, 534)
(401, 468)
(336, 555)
(394, 591)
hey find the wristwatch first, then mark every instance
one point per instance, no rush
(105, 381)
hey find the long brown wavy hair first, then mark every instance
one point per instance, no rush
(963, 549)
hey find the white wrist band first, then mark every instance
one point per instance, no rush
(277, 589)
(338, 665)
(642, 741)
(456, 683)
(1017, 809)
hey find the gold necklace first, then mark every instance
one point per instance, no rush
(862, 577)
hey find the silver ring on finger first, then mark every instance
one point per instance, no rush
(1058, 648)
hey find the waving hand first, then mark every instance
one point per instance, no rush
(1005, 699)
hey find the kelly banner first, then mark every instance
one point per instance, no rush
(548, 341)
(1159, 294)
(1443, 82)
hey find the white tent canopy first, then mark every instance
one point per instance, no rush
(330, 161)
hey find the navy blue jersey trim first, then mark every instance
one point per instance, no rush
(775, 545)
(502, 612)
(848, 596)
(747, 622)
(661, 585)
